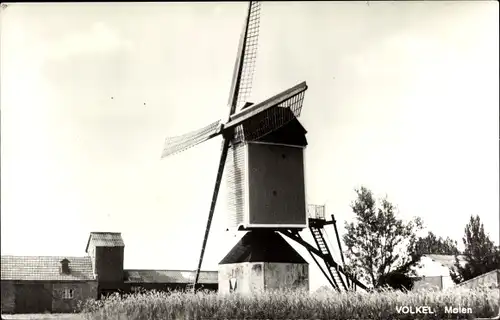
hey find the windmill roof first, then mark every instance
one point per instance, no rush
(169, 276)
(272, 121)
(292, 133)
(262, 246)
(37, 268)
(105, 239)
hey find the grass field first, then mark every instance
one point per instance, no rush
(295, 305)
(44, 317)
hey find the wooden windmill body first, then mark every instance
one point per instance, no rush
(266, 193)
(265, 178)
(263, 155)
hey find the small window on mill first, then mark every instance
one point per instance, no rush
(232, 284)
(68, 293)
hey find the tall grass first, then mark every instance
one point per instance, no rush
(292, 305)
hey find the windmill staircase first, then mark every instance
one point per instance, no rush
(337, 274)
(337, 279)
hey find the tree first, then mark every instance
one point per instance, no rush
(379, 245)
(431, 244)
(480, 254)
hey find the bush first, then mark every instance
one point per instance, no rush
(292, 305)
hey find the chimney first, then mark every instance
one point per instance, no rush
(65, 266)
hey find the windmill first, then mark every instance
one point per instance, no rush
(262, 146)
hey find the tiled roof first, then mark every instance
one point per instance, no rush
(446, 260)
(105, 239)
(45, 268)
(169, 276)
(262, 246)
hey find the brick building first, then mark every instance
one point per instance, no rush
(45, 284)
(56, 284)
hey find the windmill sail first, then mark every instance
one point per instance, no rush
(255, 109)
(270, 120)
(244, 68)
(240, 89)
(250, 123)
(261, 119)
(241, 85)
(180, 143)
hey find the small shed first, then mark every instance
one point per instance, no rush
(262, 260)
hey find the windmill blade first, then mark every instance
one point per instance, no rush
(220, 171)
(261, 119)
(252, 110)
(243, 74)
(180, 143)
(270, 120)
(241, 87)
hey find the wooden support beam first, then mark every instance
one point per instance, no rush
(328, 259)
(319, 266)
(334, 222)
(302, 242)
(319, 222)
(296, 237)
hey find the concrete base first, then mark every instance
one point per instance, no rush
(262, 260)
(253, 277)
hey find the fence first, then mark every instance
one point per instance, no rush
(316, 211)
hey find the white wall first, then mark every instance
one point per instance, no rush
(256, 276)
(248, 277)
(434, 275)
(286, 275)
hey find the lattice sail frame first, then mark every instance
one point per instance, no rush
(267, 117)
(274, 113)
(241, 87)
(250, 55)
(269, 120)
(180, 143)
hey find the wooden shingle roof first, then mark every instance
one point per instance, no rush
(48, 268)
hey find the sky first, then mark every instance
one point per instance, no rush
(402, 99)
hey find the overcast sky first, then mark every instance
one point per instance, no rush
(402, 98)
